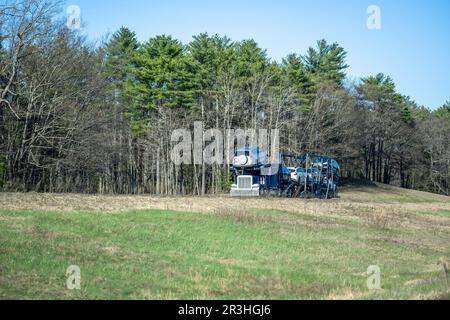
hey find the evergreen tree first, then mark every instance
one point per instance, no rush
(119, 54)
(212, 54)
(297, 76)
(443, 112)
(326, 62)
(163, 77)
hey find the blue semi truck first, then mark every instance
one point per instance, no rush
(255, 175)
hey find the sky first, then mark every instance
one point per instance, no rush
(412, 45)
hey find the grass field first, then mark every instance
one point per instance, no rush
(142, 247)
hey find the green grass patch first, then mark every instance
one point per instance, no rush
(264, 254)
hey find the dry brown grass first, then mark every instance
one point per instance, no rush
(113, 203)
(409, 208)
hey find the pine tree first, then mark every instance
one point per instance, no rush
(119, 57)
(163, 77)
(297, 76)
(326, 62)
(443, 112)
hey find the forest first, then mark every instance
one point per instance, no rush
(84, 117)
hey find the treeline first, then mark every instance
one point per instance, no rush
(77, 117)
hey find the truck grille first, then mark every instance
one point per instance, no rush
(245, 182)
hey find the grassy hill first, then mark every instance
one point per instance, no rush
(142, 247)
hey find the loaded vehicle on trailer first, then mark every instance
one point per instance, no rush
(250, 157)
(323, 175)
(298, 174)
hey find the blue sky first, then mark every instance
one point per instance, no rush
(412, 46)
